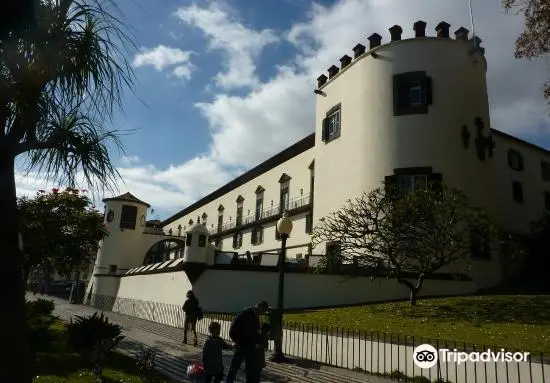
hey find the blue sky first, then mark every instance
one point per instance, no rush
(223, 85)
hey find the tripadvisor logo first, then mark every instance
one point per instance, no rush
(426, 356)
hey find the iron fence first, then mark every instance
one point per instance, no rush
(361, 351)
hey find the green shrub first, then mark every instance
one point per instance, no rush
(94, 337)
(39, 320)
(40, 307)
(146, 363)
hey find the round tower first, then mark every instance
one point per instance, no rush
(196, 244)
(121, 249)
(407, 111)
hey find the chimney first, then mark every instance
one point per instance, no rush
(462, 34)
(442, 30)
(332, 71)
(321, 80)
(345, 61)
(419, 28)
(395, 33)
(477, 41)
(358, 50)
(375, 40)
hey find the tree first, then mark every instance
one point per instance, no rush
(417, 233)
(59, 230)
(534, 41)
(61, 79)
(15, 14)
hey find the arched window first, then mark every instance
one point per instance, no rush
(259, 202)
(284, 199)
(515, 160)
(240, 201)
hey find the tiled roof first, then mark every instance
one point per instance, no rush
(128, 197)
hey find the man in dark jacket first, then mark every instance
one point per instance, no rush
(192, 311)
(245, 333)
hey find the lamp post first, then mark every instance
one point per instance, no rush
(284, 227)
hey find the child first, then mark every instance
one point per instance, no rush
(212, 358)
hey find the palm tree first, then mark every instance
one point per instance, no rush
(14, 14)
(61, 79)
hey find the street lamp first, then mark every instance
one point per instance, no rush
(284, 227)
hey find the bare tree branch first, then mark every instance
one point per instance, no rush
(418, 232)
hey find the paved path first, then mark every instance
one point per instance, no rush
(173, 356)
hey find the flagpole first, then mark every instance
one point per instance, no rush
(472, 22)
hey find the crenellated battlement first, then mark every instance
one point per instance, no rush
(442, 31)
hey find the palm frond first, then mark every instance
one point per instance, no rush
(61, 80)
(73, 144)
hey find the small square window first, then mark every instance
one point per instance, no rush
(411, 182)
(332, 124)
(412, 93)
(188, 239)
(517, 191)
(128, 217)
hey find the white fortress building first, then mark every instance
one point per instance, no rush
(407, 111)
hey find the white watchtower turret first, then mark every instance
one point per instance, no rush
(120, 250)
(196, 244)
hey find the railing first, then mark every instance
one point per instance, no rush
(362, 351)
(274, 210)
(159, 231)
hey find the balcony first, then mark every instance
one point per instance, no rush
(294, 206)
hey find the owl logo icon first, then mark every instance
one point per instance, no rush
(425, 356)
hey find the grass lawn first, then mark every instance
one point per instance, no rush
(515, 322)
(60, 365)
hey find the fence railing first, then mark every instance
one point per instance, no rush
(294, 203)
(361, 351)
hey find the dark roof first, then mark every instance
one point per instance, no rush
(127, 197)
(290, 152)
(520, 141)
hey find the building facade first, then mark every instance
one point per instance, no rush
(407, 112)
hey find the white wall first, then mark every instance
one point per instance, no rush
(512, 215)
(167, 288)
(231, 290)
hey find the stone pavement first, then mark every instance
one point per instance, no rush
(173, 356)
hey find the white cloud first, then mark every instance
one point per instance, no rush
(162, 57)
(166, 190)
(240, 44)
(246, 129)
(129, 160)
